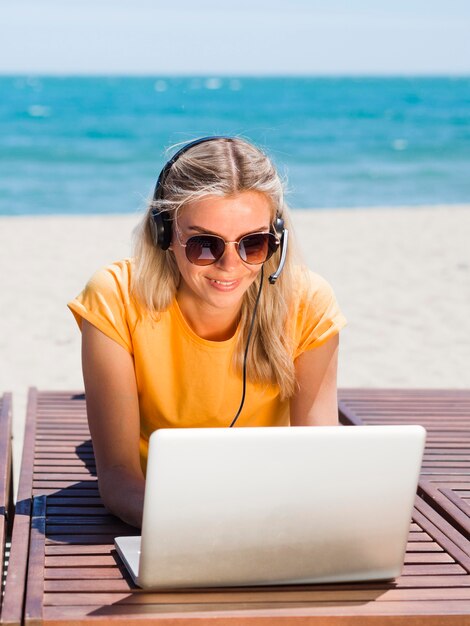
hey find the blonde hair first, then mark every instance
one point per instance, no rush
(225, 167)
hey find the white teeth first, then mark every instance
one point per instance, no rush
(222, 282)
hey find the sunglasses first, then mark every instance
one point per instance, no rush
(254, 249)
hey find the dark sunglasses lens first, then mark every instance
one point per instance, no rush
(257, 248)
(204, 249)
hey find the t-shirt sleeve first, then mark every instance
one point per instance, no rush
(318, 314)
(105, 303)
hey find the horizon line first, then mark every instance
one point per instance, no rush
(241, 75)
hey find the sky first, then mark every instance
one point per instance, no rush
(246, 37)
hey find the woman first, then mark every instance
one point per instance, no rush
(189, 333)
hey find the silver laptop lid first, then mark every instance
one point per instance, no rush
(251, 506)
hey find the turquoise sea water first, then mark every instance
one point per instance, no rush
(96, 145)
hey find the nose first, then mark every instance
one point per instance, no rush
(230, 258)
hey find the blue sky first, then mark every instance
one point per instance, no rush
(243, 37)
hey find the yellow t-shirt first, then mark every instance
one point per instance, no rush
(184, 380)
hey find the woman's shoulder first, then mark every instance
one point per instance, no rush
(310, 286)
(106, 302)
(120, 271)
(110, 286)
(316, 315)
(116, 274)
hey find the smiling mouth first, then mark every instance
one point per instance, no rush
(225, 283)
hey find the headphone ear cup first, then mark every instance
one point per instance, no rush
(163, 228)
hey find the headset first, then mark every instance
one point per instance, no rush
(163, 222)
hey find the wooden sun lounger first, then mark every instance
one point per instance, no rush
(64, 570)
(6, 475)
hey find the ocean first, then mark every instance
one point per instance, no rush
(82, 145)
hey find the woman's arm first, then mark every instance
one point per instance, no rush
(113, 416)
(315, 402)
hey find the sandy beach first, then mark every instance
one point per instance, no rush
(402, 277)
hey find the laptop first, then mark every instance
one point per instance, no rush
(275, 506)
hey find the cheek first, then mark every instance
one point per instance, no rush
(193, 273)
(180, 259)
(188, 271)
(254, 272)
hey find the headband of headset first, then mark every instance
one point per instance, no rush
(159, 187)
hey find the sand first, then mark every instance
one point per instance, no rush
(402, 277)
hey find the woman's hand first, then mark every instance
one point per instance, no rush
(113, 417)
(315, 402)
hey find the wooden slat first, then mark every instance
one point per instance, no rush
(70, 549)
(432, 613)
(35, 580)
